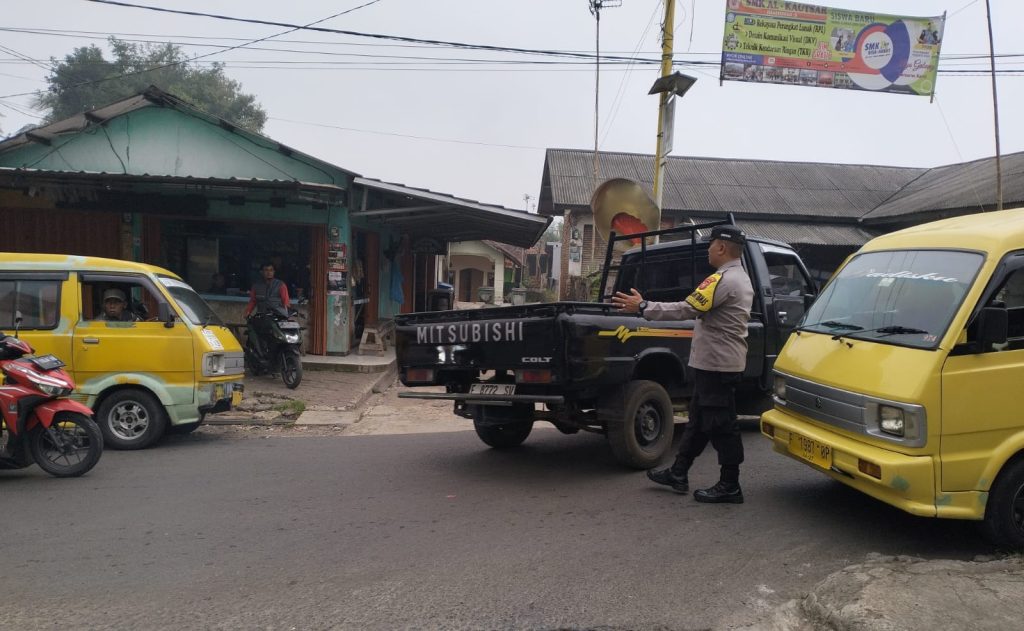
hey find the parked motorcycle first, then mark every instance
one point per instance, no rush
(39, 423)
(273, 343)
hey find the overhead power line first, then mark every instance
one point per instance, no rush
(396, 38)
(292, 28)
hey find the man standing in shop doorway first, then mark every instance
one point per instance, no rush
(268, 293)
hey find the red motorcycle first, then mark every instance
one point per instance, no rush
(40, 424)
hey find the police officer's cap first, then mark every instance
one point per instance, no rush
(727, 232)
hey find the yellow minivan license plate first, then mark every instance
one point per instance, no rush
(810, 450)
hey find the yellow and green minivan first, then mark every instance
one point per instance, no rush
(902, 379)
(162, 365)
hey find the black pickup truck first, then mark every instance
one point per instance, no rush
(584, 366)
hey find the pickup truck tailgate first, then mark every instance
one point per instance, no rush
(481, 339)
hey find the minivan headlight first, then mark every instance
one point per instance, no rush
(213, 364)
(779, 387)
(891, 420)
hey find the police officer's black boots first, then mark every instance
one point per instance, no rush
(671, 476)
(726, 491)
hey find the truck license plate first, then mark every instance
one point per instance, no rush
(810, 450)
(493, 389)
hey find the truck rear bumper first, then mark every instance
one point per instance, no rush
(485, 399)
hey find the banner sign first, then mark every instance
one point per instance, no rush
(775, 41)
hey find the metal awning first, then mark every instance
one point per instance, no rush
(86, 184)
(426, 213)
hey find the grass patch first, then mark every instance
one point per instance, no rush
(292, 407)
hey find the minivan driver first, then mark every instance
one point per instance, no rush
(114, 307)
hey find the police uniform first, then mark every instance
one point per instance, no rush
(718, 355)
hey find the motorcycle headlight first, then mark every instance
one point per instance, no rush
(51, 389)
(291, 338)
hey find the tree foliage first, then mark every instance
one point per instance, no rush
(83, 81)
(553, 232)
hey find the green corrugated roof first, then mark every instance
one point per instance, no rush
(156, 134)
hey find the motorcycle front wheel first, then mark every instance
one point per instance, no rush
(72, 446)
(291, 369)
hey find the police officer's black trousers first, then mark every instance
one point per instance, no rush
(712, 419)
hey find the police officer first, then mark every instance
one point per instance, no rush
(721, 305)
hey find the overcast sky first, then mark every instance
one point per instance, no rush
(480, 131)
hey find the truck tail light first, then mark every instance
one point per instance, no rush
(533, 376)
(419, 375)
(768, 429)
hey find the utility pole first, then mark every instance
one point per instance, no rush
(663, 99)
(595, 10)
(995, 108)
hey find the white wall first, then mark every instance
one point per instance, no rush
(478, 255)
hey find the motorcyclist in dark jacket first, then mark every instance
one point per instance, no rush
(268, 293)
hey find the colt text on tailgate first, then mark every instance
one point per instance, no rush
(475, 332)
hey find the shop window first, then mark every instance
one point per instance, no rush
(219, 257)
(37, 300)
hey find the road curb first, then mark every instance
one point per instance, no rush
(354, 413)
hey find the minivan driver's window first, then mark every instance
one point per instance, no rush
(1011, 296)
(37, 300)
(113, 299)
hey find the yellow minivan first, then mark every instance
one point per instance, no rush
(162, 362)
(902, 379)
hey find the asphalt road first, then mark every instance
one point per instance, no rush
(243, 530)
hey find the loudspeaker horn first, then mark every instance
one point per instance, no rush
(622, 205)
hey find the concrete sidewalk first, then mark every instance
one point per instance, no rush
(907, 594)
(331, 393)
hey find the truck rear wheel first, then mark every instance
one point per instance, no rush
(641, 434)
(503, 427)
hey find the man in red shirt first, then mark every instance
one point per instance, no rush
(268, 293)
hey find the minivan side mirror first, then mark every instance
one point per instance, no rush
(993, 328)
(166, 315)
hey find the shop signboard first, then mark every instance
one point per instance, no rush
(792, 43)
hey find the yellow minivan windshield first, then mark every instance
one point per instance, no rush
(197, 310)
(905, 297)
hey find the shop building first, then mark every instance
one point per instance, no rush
(152, 179)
